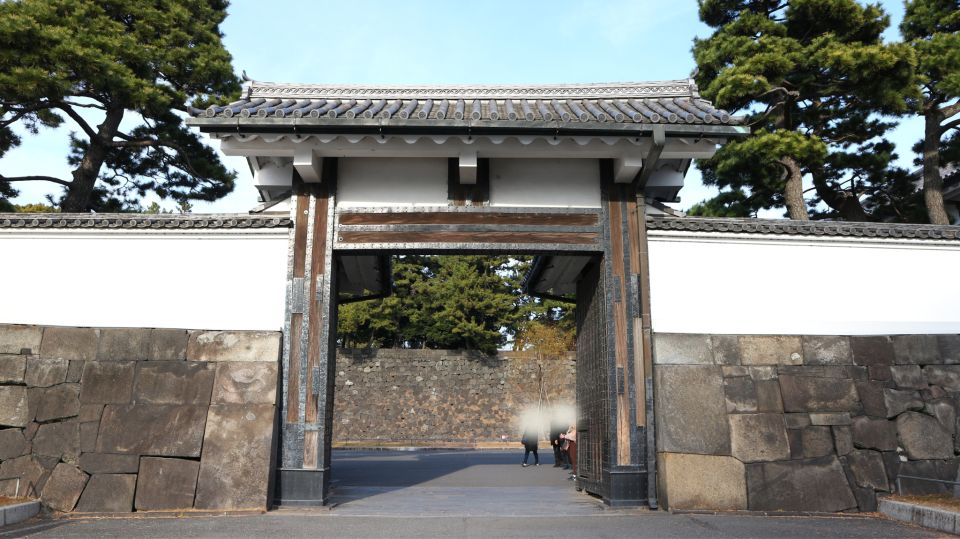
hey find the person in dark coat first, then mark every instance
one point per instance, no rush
(555, 441)
(530, 440)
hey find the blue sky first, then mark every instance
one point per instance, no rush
(443, 42)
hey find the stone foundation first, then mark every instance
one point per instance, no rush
(438, 397)
(812, 423)
(116, 420)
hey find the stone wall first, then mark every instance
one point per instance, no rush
(442, 396)
(813, 423)
(116, 420)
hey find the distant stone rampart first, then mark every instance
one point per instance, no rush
(443, 397)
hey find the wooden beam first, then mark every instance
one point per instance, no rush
(469, 218)
(468, 168)
(650, 163)
(625, 168)
(308, 164)
(572, 238)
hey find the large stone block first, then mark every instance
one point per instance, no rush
(867, 468)
(768, 396)
(109, 463)
(872, 350)
(88, 436)
(235, 467)
(167, 345)
(12, 368)
(770, 350)
(28, 469)
(14, 339)
(871, 396)
(63, 489)
(174, 382)
(908, 377)
(682, 349)
(12, 444)
(75, 371)
(166, 484)
(949, 347)
(108, 493)
(704, 482)
(70, 343)
(799, 485)
(691, 410)
(897, 401)
(812, 394)
(740, 393)
(123, 344)
(59, 402)
(945, 376)
(152, 429)
(14, 406)
(45, 372)
(58, 440)
(233, 346)
(945, 411)
(842, 439)
(827, 350)
(758, 437)
(726, 349)
(816, 441)
(835, 418)
(880, 434)
(922, 437)
(107, 382)
(915, 349)
(253, 382)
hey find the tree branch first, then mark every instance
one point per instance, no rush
(65, 107)
(949, 125)
(951, 110)
(35, 179)
(156, 143)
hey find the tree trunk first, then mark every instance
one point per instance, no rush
(85, 176)
(932, 182)
(846, 204)
(793, 190)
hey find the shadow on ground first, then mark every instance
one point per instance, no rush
(444, 483)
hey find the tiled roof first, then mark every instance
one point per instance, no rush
(139, 221)
(667, 102)
(805, 228)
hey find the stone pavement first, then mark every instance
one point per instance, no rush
(460, 494)
(461, 483)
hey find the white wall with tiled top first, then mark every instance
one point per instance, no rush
(705, 282)
(232, 279)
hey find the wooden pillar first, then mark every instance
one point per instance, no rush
(621, 263)
(309, 345)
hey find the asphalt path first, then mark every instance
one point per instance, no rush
(461, 494)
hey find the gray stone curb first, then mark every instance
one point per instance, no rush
(13, 514)
(928, 517)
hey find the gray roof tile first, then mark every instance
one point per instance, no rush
(667, 102)
(805, 228)
(140, 221)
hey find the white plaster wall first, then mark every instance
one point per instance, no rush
(736, 284)
(229, 280)
(563, 183)
(388, 181)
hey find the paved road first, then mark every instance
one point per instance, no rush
(462, 494)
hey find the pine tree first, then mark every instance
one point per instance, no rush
(932, 28)
(118, 61)
(807, 74)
